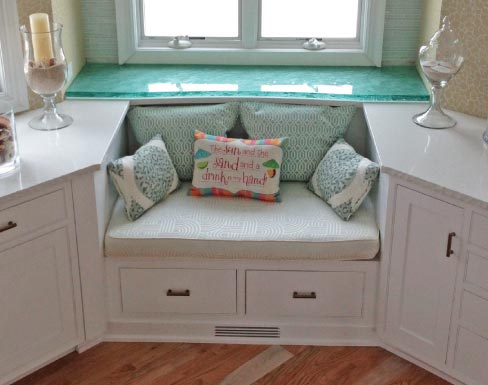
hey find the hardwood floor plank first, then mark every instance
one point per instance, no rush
(258, 367)
(222, 364)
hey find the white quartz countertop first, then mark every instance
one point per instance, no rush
(47, 156)
(453, 161)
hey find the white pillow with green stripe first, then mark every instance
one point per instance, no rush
(145, 178)
(343, 179)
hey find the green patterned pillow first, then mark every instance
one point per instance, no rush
(343, 179)
(176, 126)
(145, 178)
(311, 131)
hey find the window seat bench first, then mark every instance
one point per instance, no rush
(300, 227)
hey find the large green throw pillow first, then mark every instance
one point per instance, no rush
(311, 130)
(343, 179)
(176, 125)
(145, 178)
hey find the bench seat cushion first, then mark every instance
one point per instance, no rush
(302, 226)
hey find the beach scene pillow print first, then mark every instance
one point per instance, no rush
(248, 168)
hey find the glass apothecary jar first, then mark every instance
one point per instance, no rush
(9, 150)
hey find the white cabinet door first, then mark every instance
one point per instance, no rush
(37, 316)
(422, 277)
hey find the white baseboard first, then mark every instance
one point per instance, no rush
(83, 347)
(204, 332)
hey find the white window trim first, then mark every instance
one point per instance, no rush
(12, 76)
(369, 54)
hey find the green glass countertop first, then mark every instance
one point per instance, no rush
(141, 81)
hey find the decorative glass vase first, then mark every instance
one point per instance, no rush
(9, 152)
(440, 60)
(45, 70)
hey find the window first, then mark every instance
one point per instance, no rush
(12, 83)
(250, 31)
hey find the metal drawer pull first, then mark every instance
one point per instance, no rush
(449, 244)
(178, 293)
(10, 225)
(306, 294)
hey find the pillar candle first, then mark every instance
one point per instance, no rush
(41, 37)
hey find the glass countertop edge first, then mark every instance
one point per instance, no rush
(322, 97)
(386, 84)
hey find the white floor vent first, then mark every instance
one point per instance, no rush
(247, 331)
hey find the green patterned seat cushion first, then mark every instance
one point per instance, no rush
(311, 130)
(343, 179)
(145, 178)
(176, 126)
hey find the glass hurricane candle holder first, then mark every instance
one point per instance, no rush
(440, 60)
(45, 70)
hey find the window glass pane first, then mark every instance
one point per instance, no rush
(205, 18)
(309, 18)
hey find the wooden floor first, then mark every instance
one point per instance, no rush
(206, 364)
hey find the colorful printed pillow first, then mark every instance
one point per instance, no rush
(176, 126)
(237, 167)
(343, 179)
(312, 130)
(144, 178)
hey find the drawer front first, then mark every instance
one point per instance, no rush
(474, 313)
(470, 357)
(477, 271)
(478, 230)
(27, 217)
(307, 294)
(179, 291)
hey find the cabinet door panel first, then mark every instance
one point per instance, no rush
(36, 298)
(422, 277)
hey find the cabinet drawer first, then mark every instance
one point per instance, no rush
(181, 291)
(474, 313)
(479, 229)
(470, 356)
(32, 215)
(303, 293)
(477, 271)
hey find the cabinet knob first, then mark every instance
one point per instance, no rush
(449, 244)
(8, 226)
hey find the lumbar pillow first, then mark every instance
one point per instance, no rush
(312, 130)
(176, 126)
(237, 167)
(343, 179)
(144, 178)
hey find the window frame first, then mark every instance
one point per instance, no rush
(11, 68)
(250, 50)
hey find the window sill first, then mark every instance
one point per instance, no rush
(148, 83)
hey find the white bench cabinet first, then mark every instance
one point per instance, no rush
(423, 264)
(40, 299)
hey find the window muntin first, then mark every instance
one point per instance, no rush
(326, 19)
(195, 18)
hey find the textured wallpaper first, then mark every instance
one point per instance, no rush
(468, 91)
(68, 12)
(401, 36)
